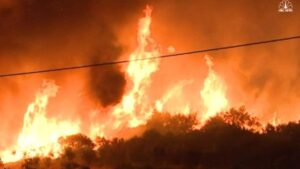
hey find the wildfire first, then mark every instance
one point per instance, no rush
(39, 135)
(140, 73)
(173, 93)
(213, 93)
(134, 110)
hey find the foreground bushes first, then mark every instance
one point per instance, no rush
(227, 141)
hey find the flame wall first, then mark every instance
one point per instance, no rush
(43, 34)
(265, 78)
(46, 34)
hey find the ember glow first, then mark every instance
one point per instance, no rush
(40, 132)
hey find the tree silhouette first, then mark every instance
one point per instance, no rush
(31, 163)
(226, 141)
(166, 123)
(78, 151)
(241, 118)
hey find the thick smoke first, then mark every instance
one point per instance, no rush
(265, 78)
(49, 33)
(108, 85)
(64, 33)
(45, 34)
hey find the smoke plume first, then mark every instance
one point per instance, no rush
(49, 34)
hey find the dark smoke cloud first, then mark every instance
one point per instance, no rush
(61, 33)
(108, 85)
(42, 34)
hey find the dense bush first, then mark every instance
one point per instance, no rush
(229, 140)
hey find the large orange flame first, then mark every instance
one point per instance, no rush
(213, 93)
(132, 106)
(165, 103)
(40, 134)
(133, 109)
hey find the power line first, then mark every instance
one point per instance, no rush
(149, 58)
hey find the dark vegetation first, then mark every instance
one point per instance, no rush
(227, 141)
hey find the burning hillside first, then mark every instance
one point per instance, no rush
(40, 134)
(144, 97)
